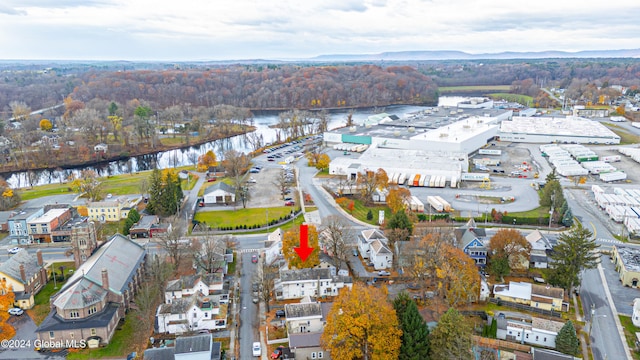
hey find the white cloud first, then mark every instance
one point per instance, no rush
(226, 29)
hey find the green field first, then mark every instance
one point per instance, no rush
(474, 88)
(521, 99)
(249, 217)
(626, 138)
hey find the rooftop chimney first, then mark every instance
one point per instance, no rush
(105, 279)
(39, 255)
(23, 273)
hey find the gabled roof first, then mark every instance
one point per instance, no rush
(189, 281)
(80, 295)
(11, 267)
(304, 340)
(547, 291)
(378, 248)
(304, 274)
(191, 344)
(219, 186)
(468, 236)
(538, 241)
(371, 234)
(303, 310)
(119, 255)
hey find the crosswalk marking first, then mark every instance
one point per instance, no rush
(610, 241)
(245, 251)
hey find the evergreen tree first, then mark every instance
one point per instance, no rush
(576, 251)
(451, 339)
(400, 220)
(155, 189)
(493, 330)
(415, 332)
(567, 340)
(165, 193)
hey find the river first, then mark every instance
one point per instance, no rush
(180, 157)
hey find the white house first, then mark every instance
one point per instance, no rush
(635, 318)
(536, 331)
(366, 237)
(200, 285)
(219, 193)
(539, 247)
(305, 324)
(296, 284)
(380, 255)
(191, 313)
(273, 247)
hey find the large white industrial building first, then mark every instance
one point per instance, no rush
(567, 130)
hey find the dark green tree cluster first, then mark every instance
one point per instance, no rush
(165, 193)
(567, 340)
(491, 331)
(415, 332)
(551, 195)
(576, 250)
(400, 220)
(132, 218)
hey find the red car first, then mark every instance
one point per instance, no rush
(254, 259)
(289, 203)
(277, 353)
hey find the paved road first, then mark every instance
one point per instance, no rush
(249, 320)
(26, 332)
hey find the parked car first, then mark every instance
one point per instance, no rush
(383, 273)
(280, 313)
(14, 250)
(256, 349)
(254, 171)
(252, 181)
(254, 259)
(288, 199)
(355, 252)
(289, 203)
(16, 311)
(212, 179)
(277, 353)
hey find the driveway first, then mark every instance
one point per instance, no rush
(24, 345)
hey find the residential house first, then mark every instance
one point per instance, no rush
(326, 262)
(635, 317)
(25, 274)
(546, 354)
(527, 329)
(113, 209)
(40, 228)
(469, 239)
(627, 263)
(536, 296)
(273, 247)
(101, 148)
(540, 250)
(219, 193)
(296, 284)
(191, 313)
(147, 226)
(380, 255)
(17, 224)
(366, 237)
(305, 324)
(197, 347)
(96, 297)
(201, 285)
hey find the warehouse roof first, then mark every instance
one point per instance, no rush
(569, 126)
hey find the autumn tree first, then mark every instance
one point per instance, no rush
(415, 332)
(46, 125)
(458, 277)
(9, 198)
(362, 325)
(116, 125)
(567, 340)
(235, 164)
(551, 196)
(369, 181)
(88, 183)
(509, 244)
(397, 198)
(291, 240)
(7, 299)
(576, 251)
(335, 237)
(323, 162)
(19, 110)
(452, 337)
(206, 160)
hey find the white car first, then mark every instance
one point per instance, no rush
(257, 350)
(14, 250)
(252, 181)
(16, 311)
(383, 273)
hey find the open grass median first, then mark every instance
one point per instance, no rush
(241, 217)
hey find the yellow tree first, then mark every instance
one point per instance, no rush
(397, 198)
(362, 324)
(458, 277)
(116, 123)
(45, 125)
(291, 240)
(7, 299)
(369, 181)
(323, 162)
(207, 160)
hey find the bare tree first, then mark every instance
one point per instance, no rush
(235, 164)
(265, 277)
(171, 243)
(208, 253)
(281, 182)
(173, 114)
(336, 236)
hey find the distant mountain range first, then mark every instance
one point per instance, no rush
(460, 55)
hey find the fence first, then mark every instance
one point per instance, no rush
(526, 307)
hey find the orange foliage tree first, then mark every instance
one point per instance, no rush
(206, 160)
(369, 181)
(7, 298)
(397, 198)
(291, 240)
(362, 324)
(509, 244)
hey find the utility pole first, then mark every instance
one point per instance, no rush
(553, 205)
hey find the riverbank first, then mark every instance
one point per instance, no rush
(105, 158)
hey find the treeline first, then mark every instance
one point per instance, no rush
(257, 87)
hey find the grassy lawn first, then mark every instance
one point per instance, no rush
(630, 334)
(360, 211)
(241, 216)
(122, 343)
(450, 89)
(625, 137)
(189, 183)
(125, 184)
(522, 99)
(42, 307)
(44, 190)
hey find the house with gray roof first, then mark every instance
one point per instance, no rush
(305, 324)
(469, 239)
(527, 329)
(540, 250)
(201, 284)
(198, 347)
(366, 238)
(298, 283)
(191, 313)
(219, 193)
(26, 275)
(95, 298)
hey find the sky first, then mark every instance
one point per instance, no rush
(183, 30)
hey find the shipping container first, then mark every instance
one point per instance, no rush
(445, 204)
(443, 182)
(613, 176)
(435, 203)
(416, 180)
(433, 181)
(454, 182)
(402, 178)
(424, 179)
(612, 158)
(396, 176)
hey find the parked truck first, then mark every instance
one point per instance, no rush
(445, 204)
(424, 180)
(613, 176)
(414, 204)
(435, 203)
(416, 180)
(612, 158)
